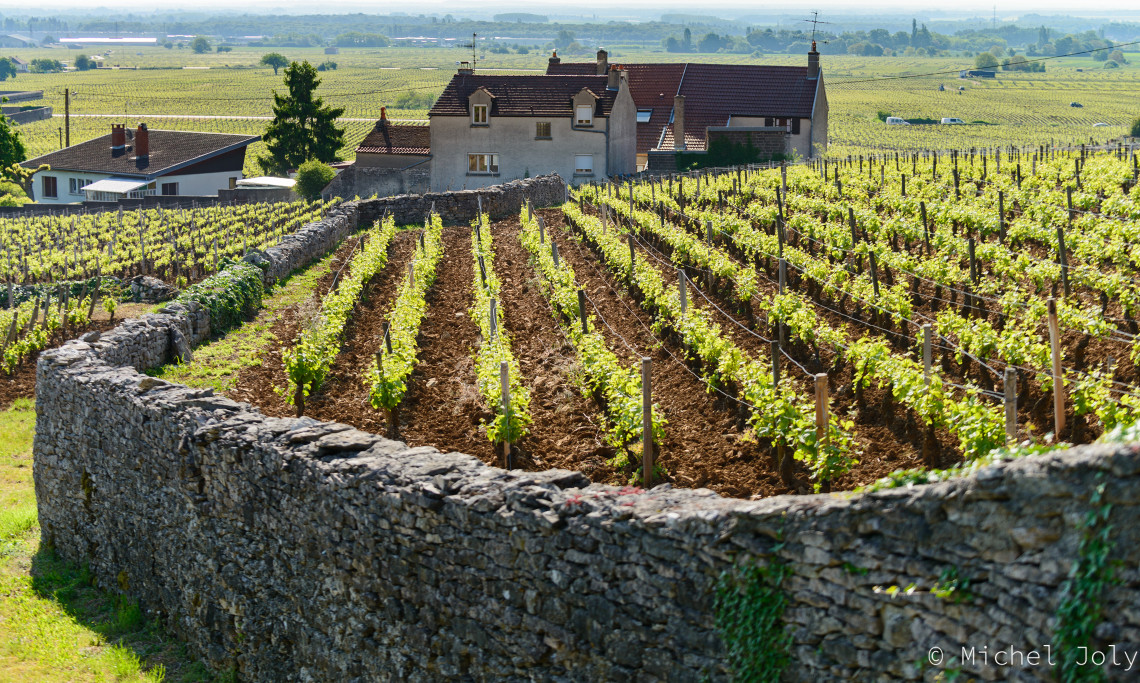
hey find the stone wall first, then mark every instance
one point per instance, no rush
(364, 181)
(20, 115)
(295, 550)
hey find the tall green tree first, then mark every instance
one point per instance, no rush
(275, 60)
(7, 68)
(303, 128)
(11, 146)
(200, 45)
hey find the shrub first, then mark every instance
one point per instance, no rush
(312, 177)
(883, 115)
(1135, 132)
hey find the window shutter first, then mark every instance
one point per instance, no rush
(796, 126)
(768, 121)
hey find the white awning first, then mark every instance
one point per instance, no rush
(266, 181)
(115, 185)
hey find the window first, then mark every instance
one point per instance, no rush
(482, 164)
(584, 115)
(479, 115)
(583, 164)
(170, 188)
(50, 186)
(73, 185)
(795, 126)
(542, 130)
(643, 115)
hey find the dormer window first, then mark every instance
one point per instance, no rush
(479, 114)
(583, 115)
(643, 115)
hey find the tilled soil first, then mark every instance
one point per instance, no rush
(703, 446)
(264, 385)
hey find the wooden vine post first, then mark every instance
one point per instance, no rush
(1010, 405)
(927, 353)
(505, 383)
(1058, 386)
(647, 422)
(1001, 216)
(681, 290)
(925, 226)
(821, 416)
(582, 309)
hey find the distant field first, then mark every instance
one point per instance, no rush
(1015, 108)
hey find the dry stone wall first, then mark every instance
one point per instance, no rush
(296, 550)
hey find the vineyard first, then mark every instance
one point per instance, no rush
(815, 328)
(178, 246)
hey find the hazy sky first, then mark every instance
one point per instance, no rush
(726, 8)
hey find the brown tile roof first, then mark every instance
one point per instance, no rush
(523, 95)
(401, 139)
(169, 150)
(713, 93)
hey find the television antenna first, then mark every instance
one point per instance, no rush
(814, 21)
(473, 47)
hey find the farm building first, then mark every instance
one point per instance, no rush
(141, 163)
(976, 73)
(20, 65)
(486, 130)
(778, 109)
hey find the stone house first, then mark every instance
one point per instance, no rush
(490, 129)
(778, 109)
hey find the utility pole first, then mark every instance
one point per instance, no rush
(67, 116)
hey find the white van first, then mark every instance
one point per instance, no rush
(950, 120)
(897, 121)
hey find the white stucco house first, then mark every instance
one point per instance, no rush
(141, 163)
(490, 129)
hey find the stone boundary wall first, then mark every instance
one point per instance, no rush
(296, 550)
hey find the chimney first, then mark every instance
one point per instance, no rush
(142, 141)
(382, 126)
(554, 58)
(615, 78)
(118, 137)
(465, 69)
(679, 122)
(603, 62)
(813, 63)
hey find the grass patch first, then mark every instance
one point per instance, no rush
(217, 363)
(55, 625)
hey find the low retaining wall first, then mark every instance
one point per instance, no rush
(296, 550)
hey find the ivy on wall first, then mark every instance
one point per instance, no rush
(749, 607)
(231, 295)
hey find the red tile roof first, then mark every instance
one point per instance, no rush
(401, 139)
(523, 95)
(713, 93)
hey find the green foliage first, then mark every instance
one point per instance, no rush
(7, 68)
(45, 66)
(388, 385)
(85, 63)
(231, 295)
(11, 146)
(312, 177)
(1134, 131)
(724, 152)
(274, 60)
(303, 128)
(1081, 608)
(952, 587)
(986, 60)
(200, 45)
(883, 115)
(495, 349)
(749, 607)
(308, 361)
(327, 65)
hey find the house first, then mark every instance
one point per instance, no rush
(16, 40)
(21, 65)
(683, 107)
(140, 163)
(394, 145)
(490, 129)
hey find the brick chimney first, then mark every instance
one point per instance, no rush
(382, 126)
(813, 63)
(615, 78)
(554, 58)
(603, 62)
(142, 141)
(118, 137)
(679, 122)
